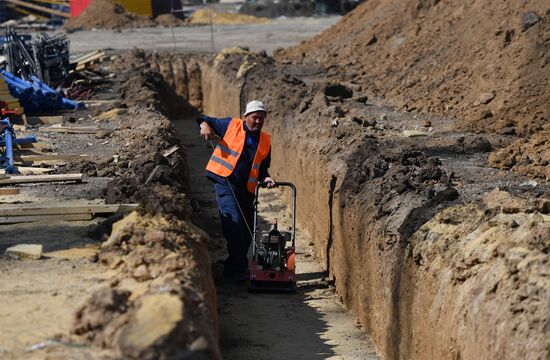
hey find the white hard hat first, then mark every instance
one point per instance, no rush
(254, 106)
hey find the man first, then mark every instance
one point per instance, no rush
(239, 161)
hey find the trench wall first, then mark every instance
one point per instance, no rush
(426, 276)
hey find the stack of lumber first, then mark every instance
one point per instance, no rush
(25, 179)
(89, 60)
(12, 214)
(6, 100)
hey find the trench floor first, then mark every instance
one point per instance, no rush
(310, 324)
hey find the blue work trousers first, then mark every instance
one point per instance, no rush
(234, 227)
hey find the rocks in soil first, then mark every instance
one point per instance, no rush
(525, 156)
(502, 255)
(170, 302)
(529, 19)
(101, 316)
(24, 251)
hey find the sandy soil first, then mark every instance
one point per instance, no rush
(39, 296)
(311, 324)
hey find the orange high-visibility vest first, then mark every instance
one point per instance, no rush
(229, 149)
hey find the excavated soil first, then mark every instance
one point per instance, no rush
(106, 14)
(162, 300)
(147, 290)
(528, 156)
(419, 237)
(481, 61)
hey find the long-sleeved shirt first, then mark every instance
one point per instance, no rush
(239, 176)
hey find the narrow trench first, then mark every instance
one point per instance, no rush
(310, 324)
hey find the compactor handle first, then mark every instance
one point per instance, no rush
(278, 184)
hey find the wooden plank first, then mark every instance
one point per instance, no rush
(87, 56)
(40, 8)
(38, 145)
(42, 218)
(9, 191)
(70, 130)
(92, 57)
(48, 157)
(45, 119)
(34, 151)
(23, 170)
(170, 151)
(22, 179)
(49, 209)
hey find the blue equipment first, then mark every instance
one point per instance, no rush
(7, 140)
(37, 96)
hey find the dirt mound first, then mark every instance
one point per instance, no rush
(526, 156)
(484, 62)
(169, 20)
(204, 16)
(158, 304)
(106, 14)
(161, 301)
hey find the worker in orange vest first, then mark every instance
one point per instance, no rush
(240, 160)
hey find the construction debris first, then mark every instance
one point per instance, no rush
(44, 57)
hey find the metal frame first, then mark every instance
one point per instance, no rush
(255, 226)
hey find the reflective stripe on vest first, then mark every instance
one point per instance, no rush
(226, 154)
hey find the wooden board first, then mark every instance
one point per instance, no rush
(23, 170)
(70, 130)
(37, 145)
(47, 157)
(89, 102)
(22, 179)
(9, 191)
(42, 218)
(170, 151)
(92, 55)
(34, 151)
(60, 209)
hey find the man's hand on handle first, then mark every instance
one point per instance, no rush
(206, 132)
(270, 182)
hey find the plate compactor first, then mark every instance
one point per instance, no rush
(272, 267)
